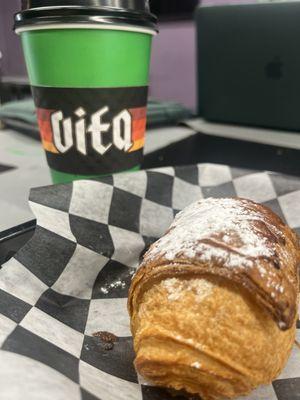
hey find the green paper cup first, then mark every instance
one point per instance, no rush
(88, 64)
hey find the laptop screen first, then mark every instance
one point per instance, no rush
(175, 9)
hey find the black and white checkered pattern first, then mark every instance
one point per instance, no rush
(71, 279)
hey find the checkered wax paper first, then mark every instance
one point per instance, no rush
(71, 280)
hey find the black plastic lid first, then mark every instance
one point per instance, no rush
(121, 12)
(133, 5)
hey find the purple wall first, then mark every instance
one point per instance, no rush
(12, 62)
(173, 75)
(173, 69)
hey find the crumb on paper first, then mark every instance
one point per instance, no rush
(107, 339)
(108, 346)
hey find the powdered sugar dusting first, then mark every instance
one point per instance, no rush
(177, 287)
(113, 285)
(216, 230)
(282, 325)
(196, 365)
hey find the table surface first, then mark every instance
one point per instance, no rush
(23, 164)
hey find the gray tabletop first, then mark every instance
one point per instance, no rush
(23, 163)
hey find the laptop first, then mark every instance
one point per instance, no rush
(249, 64)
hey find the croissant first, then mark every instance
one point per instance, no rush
(214, 303)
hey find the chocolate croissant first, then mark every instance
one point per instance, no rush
(214, 303)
